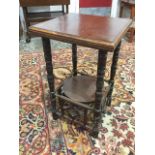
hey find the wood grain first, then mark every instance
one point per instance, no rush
(92, 31)
(26, 3)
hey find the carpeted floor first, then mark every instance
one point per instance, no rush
(41, 135)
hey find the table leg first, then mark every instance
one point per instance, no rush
(121, 11)
(132, 14)
(28, 37)
(113, 72)
(74, 59)
(102, 57)
(67, 9)
(132, 32)
(50, 76)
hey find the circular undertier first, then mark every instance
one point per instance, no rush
(81, 88)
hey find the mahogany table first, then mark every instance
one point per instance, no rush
(81, 94)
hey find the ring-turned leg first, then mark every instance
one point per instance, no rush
(74, 59)
(28, 37)
(50, 76)
(113, 72)
(102, 57)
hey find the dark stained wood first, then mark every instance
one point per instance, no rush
(113, 72)
(131, 5)
(25, 11)
(102, 58)
(87, 30)
(85, 116)
(20, 29)
(30, 18)
(63, 9)
(48, 60)
(83, 93)
(132, 34)
(85, 106)
(128, 2)
(42, 16)
(67, 9)
(74, 59)
(60, 101)
(50, 76)
(81, 88)
(27, 3)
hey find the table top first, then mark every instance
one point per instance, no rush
(130, 2)
(26, 3)
(99, 32)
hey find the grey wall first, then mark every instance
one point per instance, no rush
(103, 11)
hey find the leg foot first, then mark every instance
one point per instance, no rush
(102, 57)
(109, 102)
(94, 133)
(56, 115)
(113, 72)
(28, 39)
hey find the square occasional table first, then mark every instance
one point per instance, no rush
(84, 98)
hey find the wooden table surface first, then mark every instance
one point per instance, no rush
(26, 3)
(98, 32)
(130, 2)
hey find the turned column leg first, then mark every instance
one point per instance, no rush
(132, 29)
(121, 11)
(67, 9)
(132, 33)
(102, 57)
(50, 76)
(132, 14)
(25, 11)
(63, 9)
(74, 59)
(113, 72)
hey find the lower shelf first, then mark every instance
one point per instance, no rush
(82, 88)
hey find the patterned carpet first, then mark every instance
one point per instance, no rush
(41, 135)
